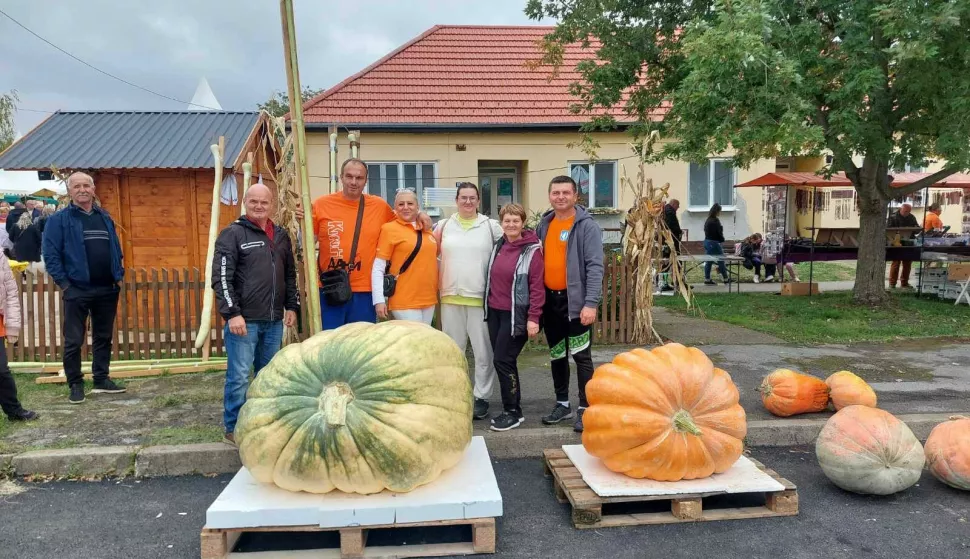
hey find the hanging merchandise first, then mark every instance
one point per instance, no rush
(228, 191)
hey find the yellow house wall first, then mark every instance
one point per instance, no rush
(544, 155)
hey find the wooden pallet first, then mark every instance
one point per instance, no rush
(588, 506)
(219, 543)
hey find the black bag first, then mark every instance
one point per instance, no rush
(390, 280)
(335, 283)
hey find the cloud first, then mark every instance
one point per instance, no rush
(168, 45)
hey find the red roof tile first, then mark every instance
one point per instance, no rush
(458, 75)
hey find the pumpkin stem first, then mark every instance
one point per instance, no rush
(684, 423)
(334, 402)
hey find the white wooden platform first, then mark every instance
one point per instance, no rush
(468, 490)
(743, 477)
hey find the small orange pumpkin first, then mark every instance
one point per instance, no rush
(869, 451)
(666, 414)
(848, 389)
(785, 393)
(948, 452)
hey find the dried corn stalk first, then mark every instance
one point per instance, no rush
(644, 240)
(283, 173)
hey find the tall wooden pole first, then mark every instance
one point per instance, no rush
(299, 156)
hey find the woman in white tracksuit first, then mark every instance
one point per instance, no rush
(466, 239)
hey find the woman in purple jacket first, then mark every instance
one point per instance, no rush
(514, 295)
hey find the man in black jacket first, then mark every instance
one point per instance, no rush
(902, 218)
(254, 281)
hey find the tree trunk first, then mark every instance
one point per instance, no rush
(870, 274)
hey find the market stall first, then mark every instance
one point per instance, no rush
(840, 243)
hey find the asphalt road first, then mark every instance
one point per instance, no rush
(142, 520)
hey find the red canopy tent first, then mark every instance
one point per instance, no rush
(813, 181)
(839, 180)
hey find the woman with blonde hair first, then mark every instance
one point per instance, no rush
(404, 278)
(466, 240)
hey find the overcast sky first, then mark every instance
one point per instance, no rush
(168, 45)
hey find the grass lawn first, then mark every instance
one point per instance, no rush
(833, 317)
(824, 271)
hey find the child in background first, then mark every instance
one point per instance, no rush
(9, 332)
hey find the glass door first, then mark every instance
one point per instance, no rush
(497, 189)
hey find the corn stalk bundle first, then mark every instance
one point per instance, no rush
(643, 245)
(283, 173)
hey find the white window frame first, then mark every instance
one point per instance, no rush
(592, 180)
(419, 178)
(710, 187)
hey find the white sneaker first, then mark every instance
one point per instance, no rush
(757, 279)
(769, 279)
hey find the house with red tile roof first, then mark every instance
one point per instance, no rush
(463, 103)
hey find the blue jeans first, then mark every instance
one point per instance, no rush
(713, 248)
(360, 308)
(252, 351)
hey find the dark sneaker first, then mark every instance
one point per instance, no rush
(709, 282)
(578, 426)
(229, 438)
(24, 415)
(77, 394)
(727, 281)
(481, 409)
(506, 421)
(107, 387)
(559, 413)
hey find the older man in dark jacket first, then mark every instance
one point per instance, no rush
(254, 281)
(902, 218)
(83, 256)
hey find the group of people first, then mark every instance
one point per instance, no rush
(498, 283)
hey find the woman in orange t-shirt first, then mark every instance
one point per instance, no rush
(416, 293)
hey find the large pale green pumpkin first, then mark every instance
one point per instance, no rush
(362, 408)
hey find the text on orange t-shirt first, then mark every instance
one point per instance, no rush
(417, 288)
(554, 252)
(334, 219)
(933, 221)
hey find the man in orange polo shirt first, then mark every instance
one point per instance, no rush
(335, 222)
(573, 257)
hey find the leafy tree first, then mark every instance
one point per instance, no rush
(8, 105)
(887, 81)
(279, 102)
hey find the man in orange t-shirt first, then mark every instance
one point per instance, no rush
(334, 222)
(573, 257)
(932, 220)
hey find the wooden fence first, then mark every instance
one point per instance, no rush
(158, 313)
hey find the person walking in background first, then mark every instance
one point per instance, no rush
(466, 240)
(408, 288)
(899, 269)
(572, 245)
(10, 333)
(255, 290)
(83, 256)
(515, 294)
(713, 237)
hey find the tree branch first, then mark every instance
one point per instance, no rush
(841, 155)
(923, 182)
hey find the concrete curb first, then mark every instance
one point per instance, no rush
(221, 458)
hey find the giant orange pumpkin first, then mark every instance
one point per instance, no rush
(785, 392)
(847, 389)
(869, 451)
(948, 452)
(666, 414)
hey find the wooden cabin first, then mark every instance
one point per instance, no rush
(153, 172)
